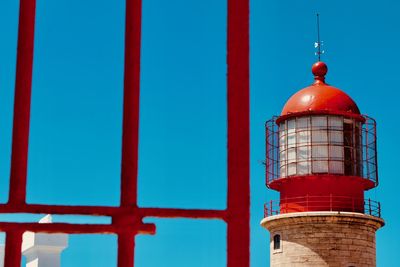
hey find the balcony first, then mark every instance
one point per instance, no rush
(322, 203)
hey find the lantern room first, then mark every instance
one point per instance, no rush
(321, 152)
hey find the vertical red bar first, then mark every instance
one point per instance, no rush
(126, 248)
(130, 132)
(12, 256)
(238, 134)
(22, 102)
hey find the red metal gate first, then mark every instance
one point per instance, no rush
(127, 218)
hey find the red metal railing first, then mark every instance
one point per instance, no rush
(322, 203)
(362, 159)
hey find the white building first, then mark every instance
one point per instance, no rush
(41, 250)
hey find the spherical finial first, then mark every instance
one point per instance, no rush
(319, 69)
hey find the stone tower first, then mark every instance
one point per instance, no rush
(321, 158)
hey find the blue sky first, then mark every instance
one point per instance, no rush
(75, 137)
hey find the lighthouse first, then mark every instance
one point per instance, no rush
(321, 156)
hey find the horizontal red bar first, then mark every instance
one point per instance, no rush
(113, 211)
(184, 213)
(74, 228)
(63, 210)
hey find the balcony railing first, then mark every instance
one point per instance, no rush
(322, 203)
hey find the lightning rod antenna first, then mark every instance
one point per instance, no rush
(318, 44)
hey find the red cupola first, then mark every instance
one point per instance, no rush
(320, 97)
(321, 152)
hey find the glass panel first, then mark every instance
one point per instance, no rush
(283, 171)
(282, 131)
(282, 136)
(292, 140)
(320, 152)
(291, 126)
(336, 167)
(318, 122)
(319, 137)
(292, 169)
(303, 137)
(335, 137)
(283, 158)
(320, 167)
(282, 142)
(303, 167)
(336, 123)
(291, 154)
(303, 152)
(336, 152)
(303, 122)
(282, 126)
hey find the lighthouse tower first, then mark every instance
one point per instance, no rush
(321, 157)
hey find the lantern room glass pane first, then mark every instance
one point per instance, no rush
(303, 153)
(336, 167)
(291, 140)
(291, 155)
(336, 137)
(303, 167)
(283, 171)
(292, 169)
(320, 152)
(303, 122)
(283, 157)
(319, 122)
(319, 136)
(303, 137)
(320, 166)
(336, 152)
(282, 136)
(282, 126)
(336, 123)
(282, 142)
(291, 126)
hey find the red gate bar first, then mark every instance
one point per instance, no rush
(114, 211)
(238, 134)
(130, 130)
(12, 256)
(22, 101)
(127, 218)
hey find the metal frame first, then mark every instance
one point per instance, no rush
(127, 218)
(319, 203)
(363, 152)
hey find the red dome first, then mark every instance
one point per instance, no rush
(320, 97)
